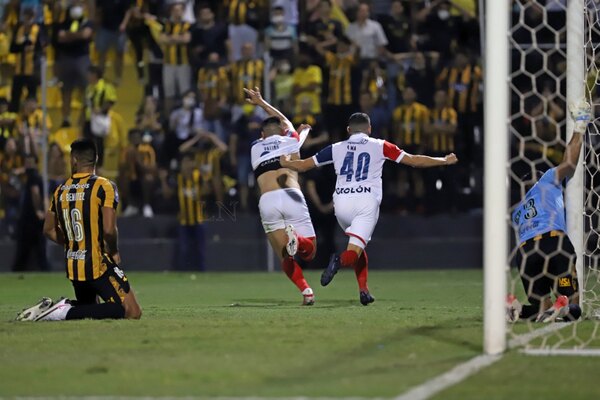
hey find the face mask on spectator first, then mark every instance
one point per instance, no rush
(189, 102)
(443, 14)
(277, 19)
(285, 68)
(76, 12)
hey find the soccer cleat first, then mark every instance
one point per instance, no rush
(513, 308)
(31, 313)
(559, 309)
(366, 298)
(292, 244)
(331, 270)
(309, 297)
(58, 312)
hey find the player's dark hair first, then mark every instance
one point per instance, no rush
(84, 150)
(271, 121)
(359, 122)
(328, 2)
(3, 101)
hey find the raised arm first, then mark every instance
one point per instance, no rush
(581, 114)
(420, 161)
(254, 97)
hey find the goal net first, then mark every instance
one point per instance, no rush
(546, 74)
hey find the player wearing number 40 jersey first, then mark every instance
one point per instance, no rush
(358, 163)
(82, 217)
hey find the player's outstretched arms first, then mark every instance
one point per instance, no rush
(419, 161)
(254, 97)
(297, 165)
(581, 114)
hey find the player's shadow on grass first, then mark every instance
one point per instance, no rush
(278, 303)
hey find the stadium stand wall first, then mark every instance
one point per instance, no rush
(399, 242)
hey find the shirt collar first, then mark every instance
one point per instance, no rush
(81, 175)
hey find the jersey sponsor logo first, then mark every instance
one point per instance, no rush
(70, 197)
(360, 189)
(76, 255)
(75, 186)
(269, 161)
(119, 272)
(564, 282)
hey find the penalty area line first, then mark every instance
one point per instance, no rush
(470, 367)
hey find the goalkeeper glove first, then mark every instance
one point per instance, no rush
(581, 112)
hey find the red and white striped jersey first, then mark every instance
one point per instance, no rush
(358, 163)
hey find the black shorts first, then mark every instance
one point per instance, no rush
(547, 266)
(112, 287)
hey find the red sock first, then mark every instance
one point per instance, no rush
(362, 271)
(348, 259)
(294, 272)
(306, 248)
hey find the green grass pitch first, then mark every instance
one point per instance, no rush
(245, 334)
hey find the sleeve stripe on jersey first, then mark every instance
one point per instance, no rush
(324, 156)
(392, 152)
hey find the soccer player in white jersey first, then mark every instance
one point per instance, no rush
(282, 206)
(358, 163)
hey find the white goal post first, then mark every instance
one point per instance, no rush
(579, 53)
(495, 201)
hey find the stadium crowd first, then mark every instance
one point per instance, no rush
(413, 66)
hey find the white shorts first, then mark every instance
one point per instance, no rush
(282, 207)
(357, 215)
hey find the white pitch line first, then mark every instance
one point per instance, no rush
(450, 378)
(562, 352)
(180, 398)
(462, 371)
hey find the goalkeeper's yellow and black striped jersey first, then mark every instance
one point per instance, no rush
(78, 205)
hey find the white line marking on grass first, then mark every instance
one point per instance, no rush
(462, 371)
(562, 352)
(180, 398)
(450, 378)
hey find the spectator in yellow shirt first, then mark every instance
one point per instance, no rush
(308, 79)
(100, 96)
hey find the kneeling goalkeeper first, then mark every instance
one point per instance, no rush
(546, 258)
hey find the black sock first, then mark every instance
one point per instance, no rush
(574, 312)
(529, 310)
(97, 311)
